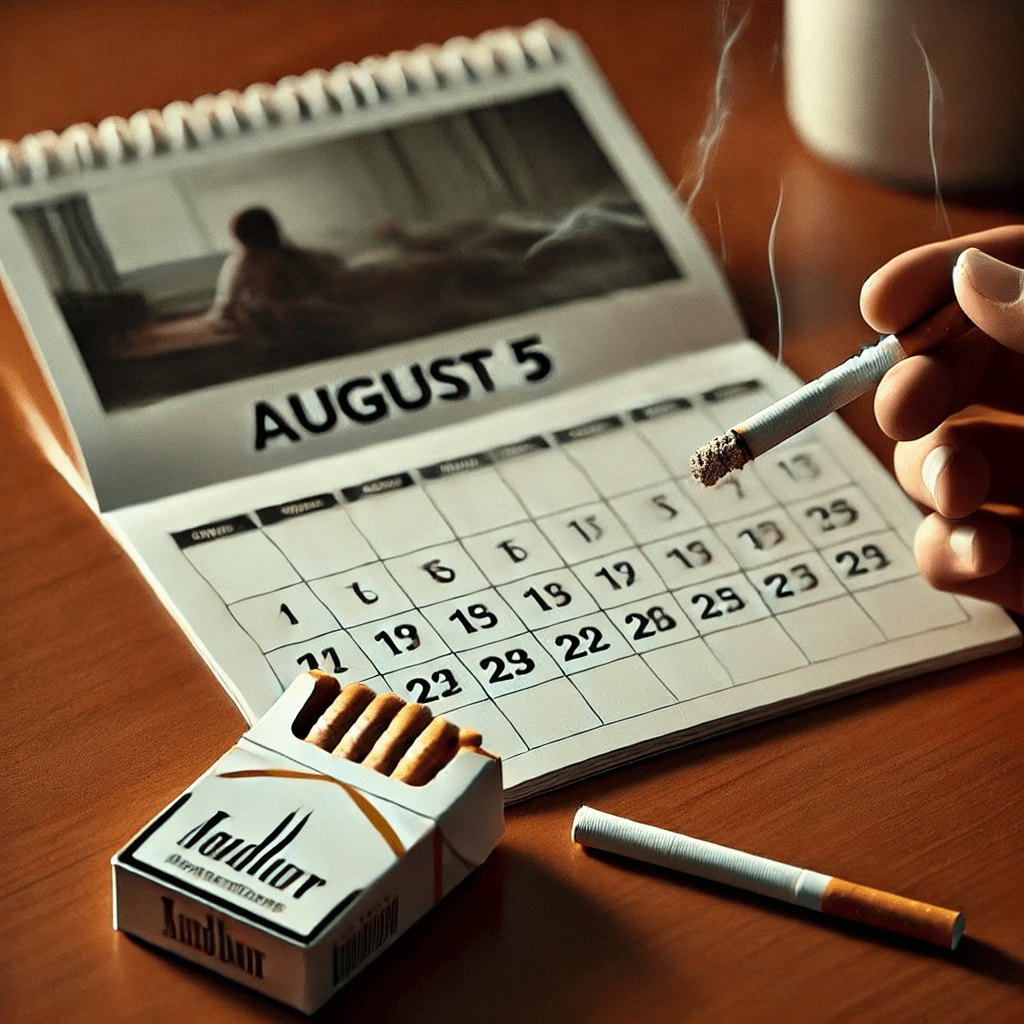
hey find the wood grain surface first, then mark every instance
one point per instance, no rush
(107, 712)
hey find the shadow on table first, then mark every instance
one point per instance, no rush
(511, 943)
(983, 958)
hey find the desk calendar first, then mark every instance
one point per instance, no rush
(396, 370)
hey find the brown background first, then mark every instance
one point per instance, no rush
(108, 714)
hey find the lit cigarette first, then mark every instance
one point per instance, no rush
(831, 391)
(799, 886)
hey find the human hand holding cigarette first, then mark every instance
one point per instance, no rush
(950, 394)
(957, 411)
(830, 392)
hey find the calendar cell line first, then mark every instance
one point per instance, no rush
(475, 501)
(286, 616)
(400, 521)
(241, 565)
(551, 711)
(318, 542)
(619, 578)
(690, 558)
(907, 606)
(765, 537)
(654, 512)
(721, 604)
(508, 666)
(585, 532)
(830, 629)
(870, 561)
(837, 515)
(584, 643)
(689, 669)
(398, 642)
(547, 482)
(512, 553)
(677, 435)
(756, 650)
(362, 595)
(443, 685)
(436, 573)
(739, 494)
(656, 622)
(623, 690)
(617, 461)
(335, 653)
(548, 597)
(796, 582)
(474, 620)
(800, 471)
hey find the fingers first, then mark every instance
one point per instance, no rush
(964, 464)
(954, 479)
(914, 397)
(917, 394)
(991, 293)
(950, 460)
(985, 365)
(978, 556)
(919, 281)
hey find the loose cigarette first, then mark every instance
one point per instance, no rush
(402, 730)
(830, 392)
(358, 741)
(340, 716)
(795, 885)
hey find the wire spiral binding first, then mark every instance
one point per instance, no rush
(316, 95)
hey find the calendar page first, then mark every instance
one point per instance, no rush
(261, 279)
(396, 370)
(553, 576)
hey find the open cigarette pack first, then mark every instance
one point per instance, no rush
(287, 867)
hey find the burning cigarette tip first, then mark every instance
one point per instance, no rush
(718, 458)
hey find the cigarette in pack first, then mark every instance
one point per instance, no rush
(381, 731)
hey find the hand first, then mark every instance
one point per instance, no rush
(958, 410)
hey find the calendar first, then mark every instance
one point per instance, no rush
(563, 585)
(396, 370)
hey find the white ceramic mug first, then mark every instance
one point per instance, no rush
(881, 87)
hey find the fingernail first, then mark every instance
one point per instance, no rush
(995, 280)
(866, 286)
(961, 543)
(934, 463)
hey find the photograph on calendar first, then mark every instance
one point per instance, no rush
(219, 271)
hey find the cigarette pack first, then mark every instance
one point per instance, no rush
(289, 869)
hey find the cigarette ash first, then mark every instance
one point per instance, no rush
(718, 458)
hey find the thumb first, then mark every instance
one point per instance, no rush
(991, 293)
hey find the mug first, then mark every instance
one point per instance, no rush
(918, 93)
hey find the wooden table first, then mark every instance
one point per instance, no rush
(108, 713)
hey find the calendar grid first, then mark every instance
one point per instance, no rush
(572, 579)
